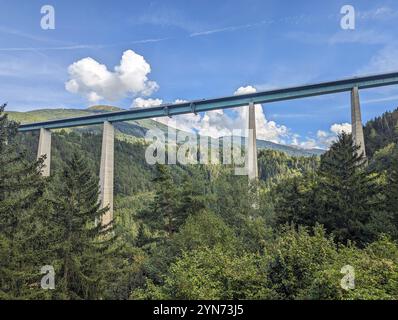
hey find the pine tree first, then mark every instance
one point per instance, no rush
(194, 195)
(347, 196)
(391, 191)
(81, 246)
(21, 186)
(293, 201)
(166, 200)
(20, 181)
(342, 195)
(162, 215)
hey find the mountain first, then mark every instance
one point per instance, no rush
(381, 131)
(290, 150)
(136, 129)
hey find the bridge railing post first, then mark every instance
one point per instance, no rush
(44, 148)
(107, 171)
(356, 121)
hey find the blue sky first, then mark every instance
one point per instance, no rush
(202, 49)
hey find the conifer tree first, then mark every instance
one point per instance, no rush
(80, 245)
(20, 188)
(392, 191)
(343, 196)
(162, 214)
(293, 199)
(347, 196)
(194, 195)
(20, 181)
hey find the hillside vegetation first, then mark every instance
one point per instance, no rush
(134, 130)
(199, 231)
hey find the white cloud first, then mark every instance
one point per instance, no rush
(324, 139)
(309, 144)
(245, 90)
(180, 101)
(94, 81)
(218, 123)
(185, 122)
(321, 134)
(340, 128)
(266, 130)
(146, 103)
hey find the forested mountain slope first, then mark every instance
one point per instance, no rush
(381, 131)
(199, 231)
(133, 130)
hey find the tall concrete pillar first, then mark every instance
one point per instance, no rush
(356, 121)
(107, 171)
(45, 149)
(252, 144)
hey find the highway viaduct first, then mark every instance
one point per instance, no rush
(352, 85)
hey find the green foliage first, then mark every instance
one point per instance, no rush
(205, 229)
(293, 200)
(347, 196)
(376, 273)
(132, 173)
(215, 273)
(80, 245)
(231, 198)
(194, 192)
(295, 257)
(20, 183)
(381, 132)
(274, 165)
(162, 214)
(21, 187)
(198, 232)
(305, 266)
(297, 264)
(343, 196)
(391, 192)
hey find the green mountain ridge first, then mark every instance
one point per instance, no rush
(136, 129)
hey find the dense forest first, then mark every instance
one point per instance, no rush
(192, 232)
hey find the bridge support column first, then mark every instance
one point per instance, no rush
(45, 149)
(107, 171)
(356, 121)
(252, 145)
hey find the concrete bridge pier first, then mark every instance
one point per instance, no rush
(107, 171)
(252, 144)
(45, 149)
(356, 121)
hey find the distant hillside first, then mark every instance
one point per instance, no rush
(290, 150)
(104, 108)
(381, 132)
(130, 130)
(133, 130)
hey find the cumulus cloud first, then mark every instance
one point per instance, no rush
(146, 103)
(323, 139)
(185, 122)
(95, 82)
(220, 123)
(310, 143)
(266, 130)
(340, 128)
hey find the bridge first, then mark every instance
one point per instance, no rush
(352, 85)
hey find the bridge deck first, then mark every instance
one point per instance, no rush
(221, 103)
